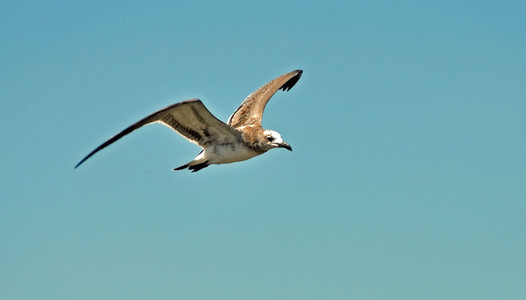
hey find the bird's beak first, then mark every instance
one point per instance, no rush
(286, 146)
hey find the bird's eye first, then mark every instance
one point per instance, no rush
(270, 138)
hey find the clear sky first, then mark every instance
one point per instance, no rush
(407, 179)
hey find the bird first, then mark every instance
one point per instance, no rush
(242, 137)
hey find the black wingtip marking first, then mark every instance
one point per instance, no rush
(289, 84)
(90, 155)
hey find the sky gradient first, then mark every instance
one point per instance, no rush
(407, 179)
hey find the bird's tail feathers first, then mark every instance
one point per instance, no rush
(193, 168)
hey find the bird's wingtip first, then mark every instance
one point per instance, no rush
(292, 81)
(77, 165)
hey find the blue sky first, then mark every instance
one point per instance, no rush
(407, 179)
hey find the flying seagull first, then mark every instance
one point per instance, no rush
(240, 138)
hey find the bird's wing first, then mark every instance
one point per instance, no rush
(251, 110)
(190, 119)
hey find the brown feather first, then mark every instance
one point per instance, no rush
(253, 137)
(251, 110)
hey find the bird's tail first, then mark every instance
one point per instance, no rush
(193, 168)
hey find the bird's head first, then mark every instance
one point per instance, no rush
(274, 140)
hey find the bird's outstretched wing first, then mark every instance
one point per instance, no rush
(251, 110)
(190, 119)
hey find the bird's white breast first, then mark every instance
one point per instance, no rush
(227, 153)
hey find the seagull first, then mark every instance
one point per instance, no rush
(240, 138)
